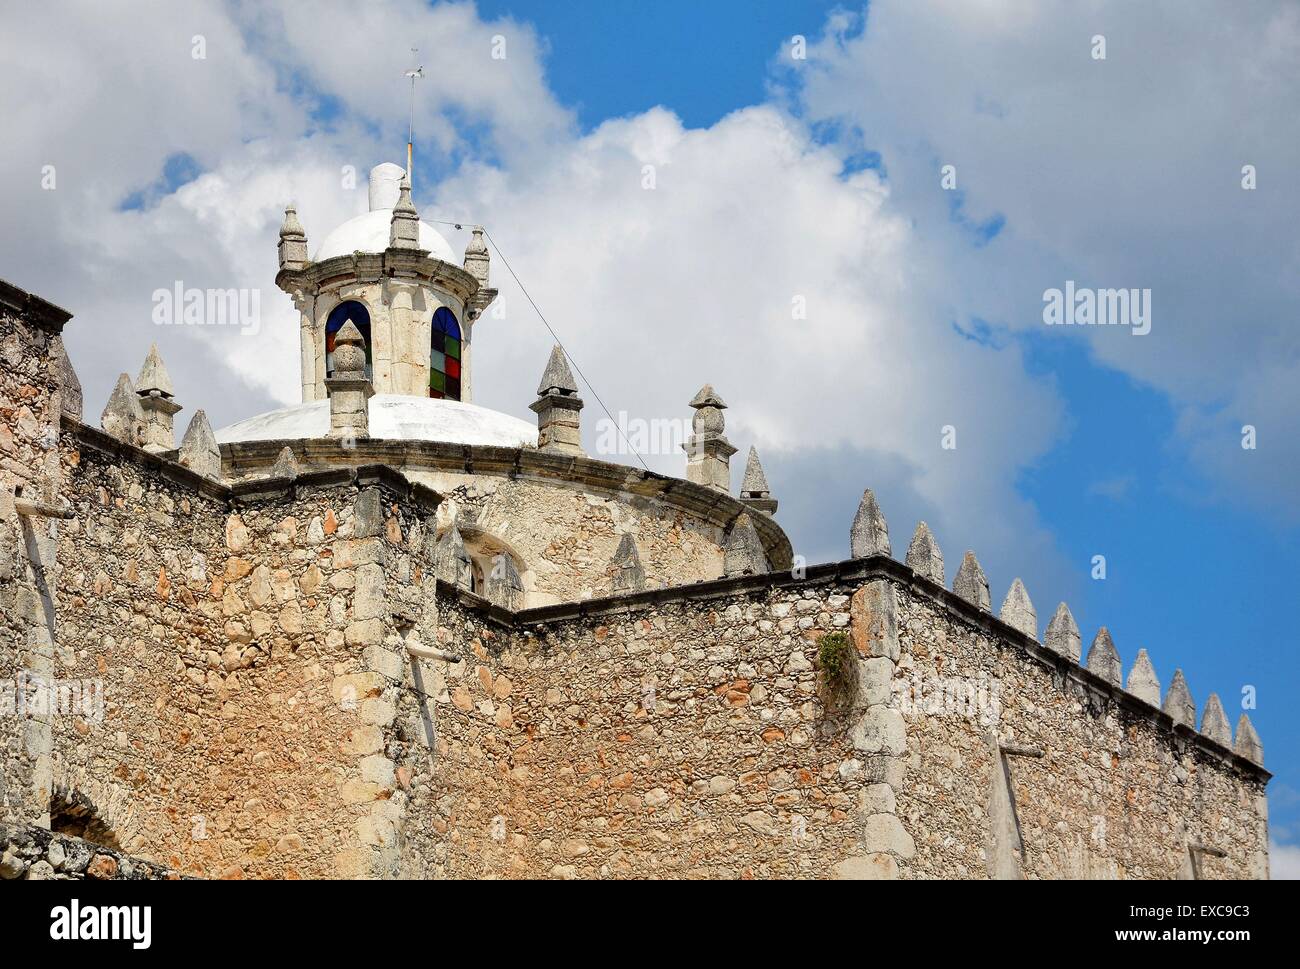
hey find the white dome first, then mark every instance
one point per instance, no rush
(393, 417)
(370, 233)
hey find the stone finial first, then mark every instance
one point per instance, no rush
(451, 562)
(404, 230)
(869, 534)
(1018, 612)
(349, 350)
(503, 584)
(754, 489)
(1103, 657)
(153, 378)
(154, 388)
(629, 576)
(1063, 634)
(972, 584)
(199, 449)
(923, 555)
(293, 241)
(1142, 680)
(1178, 701)
(743, 552)
(706, 397)
(557, 407)
(1214, 722)
(349, 388)
(557, 378)
(69, 386)
(123, 416)
(1248, 744)
(286, 465)
(708, 452)
(477, 260)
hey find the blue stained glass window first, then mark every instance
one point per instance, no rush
(360, 316)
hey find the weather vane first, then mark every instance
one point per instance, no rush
(413, 74)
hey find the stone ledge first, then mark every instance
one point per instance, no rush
(32, 309)
(161, 464)
(499, 616)
(375, 266)
(602, 477)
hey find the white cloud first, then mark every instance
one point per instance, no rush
(658, 291)
(1117, 173)
(1284, 861)
(465, 75)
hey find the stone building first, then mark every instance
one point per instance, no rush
(386, 632)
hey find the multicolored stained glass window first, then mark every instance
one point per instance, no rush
(358, 314)
(444, 356)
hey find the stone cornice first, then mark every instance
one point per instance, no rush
(395, 264)
(530, 464)
(31, 308)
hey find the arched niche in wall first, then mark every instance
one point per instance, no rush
(484, 548)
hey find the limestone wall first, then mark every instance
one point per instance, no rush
(31, 398)
(1094, 784)
(554, 758)
(237, 637)
(560, 516)
(684, 740)
(30, 389)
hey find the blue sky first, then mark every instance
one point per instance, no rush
(703, 60)
(776, 179)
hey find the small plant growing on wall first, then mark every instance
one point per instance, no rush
(835, 657)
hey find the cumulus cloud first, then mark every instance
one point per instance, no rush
(757, 264)
(1122, 172)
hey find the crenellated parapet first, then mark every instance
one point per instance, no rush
(869, 536)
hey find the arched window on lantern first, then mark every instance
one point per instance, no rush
(444, 356)
(360, 316)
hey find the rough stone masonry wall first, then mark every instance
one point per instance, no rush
(37, 854)
(238, 641)
(683, 740)
(30, 400)
(30, 403)
(553, 758)
(1117, 792)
